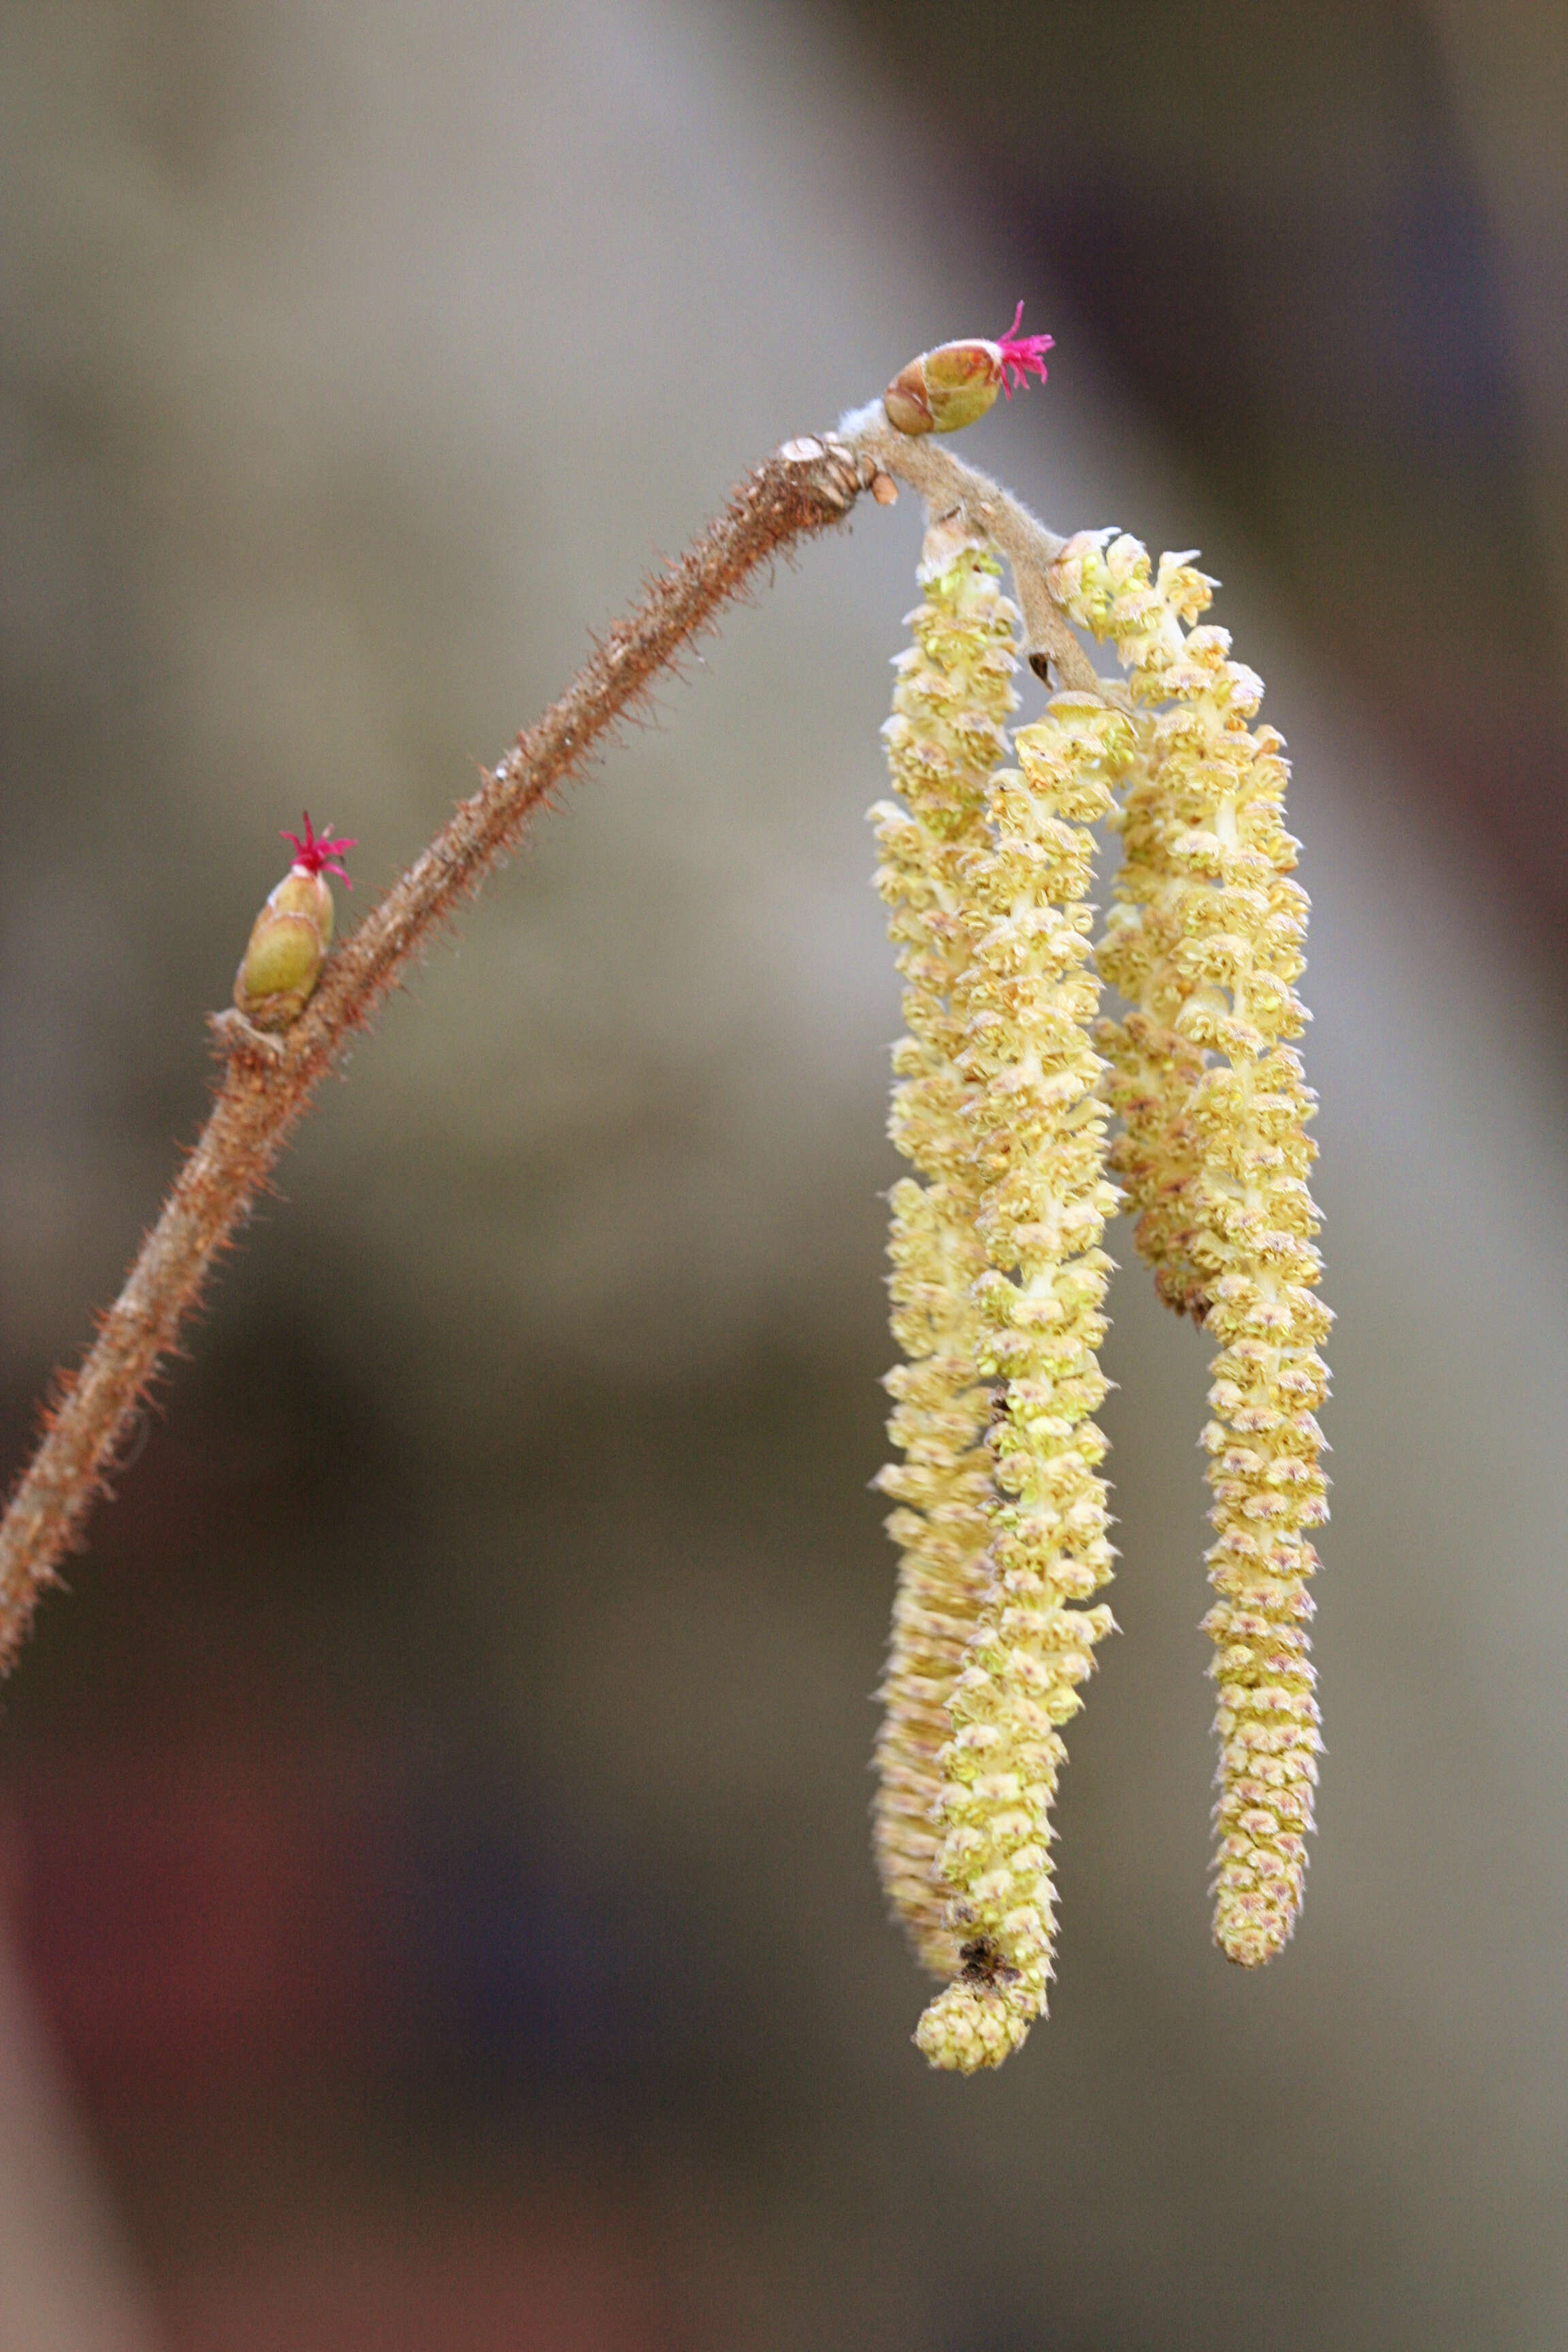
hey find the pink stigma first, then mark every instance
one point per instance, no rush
(1024, 355)
(320, 854)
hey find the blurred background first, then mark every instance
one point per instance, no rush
(433, 1829)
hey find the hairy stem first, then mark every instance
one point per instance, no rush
(950, 486)
(268, 1085)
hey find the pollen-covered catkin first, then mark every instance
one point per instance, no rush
(1154, 1070)
(1027, 996)
(945, 738)
(1207, 946)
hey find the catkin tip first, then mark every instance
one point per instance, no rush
(970, 2026)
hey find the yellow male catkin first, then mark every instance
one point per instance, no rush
(1206, 942)
(1026, 996)
(945, 738)
(1154, 1070)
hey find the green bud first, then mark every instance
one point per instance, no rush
(949, 387)
(963, 380)
(944, 389)
(288, 946)
(290, 937)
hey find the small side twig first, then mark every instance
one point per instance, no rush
(949, 486)
(268, 1082)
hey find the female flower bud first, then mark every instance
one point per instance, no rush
(949, 387)
(290, 937)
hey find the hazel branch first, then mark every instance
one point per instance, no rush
(269, 1081)
(984, 508)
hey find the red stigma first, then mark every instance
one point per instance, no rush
(1024, 355)
(320, 854)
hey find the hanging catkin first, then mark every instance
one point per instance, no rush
(945, 738)
(1027, 996)
(1206, 942)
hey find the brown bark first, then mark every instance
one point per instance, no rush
(267, 1082)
